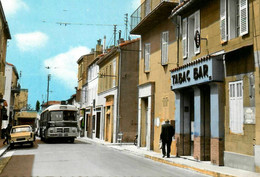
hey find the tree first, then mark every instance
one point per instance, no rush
(37, 107)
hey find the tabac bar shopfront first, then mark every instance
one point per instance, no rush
(199, 114)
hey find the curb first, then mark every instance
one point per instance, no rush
(3, 150)
(203, 171)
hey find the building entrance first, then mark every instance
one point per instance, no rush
(195, 131)
(144, 122)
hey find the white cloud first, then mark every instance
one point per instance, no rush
(135, 4)
(31, 41)
(11, 7)
(64, 66)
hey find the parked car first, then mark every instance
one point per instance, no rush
(22, 134)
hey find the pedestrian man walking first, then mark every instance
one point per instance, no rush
(167, 133)
(7, 134)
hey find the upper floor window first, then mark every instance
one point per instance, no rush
(147, 7)
(114, 73)
(233, 19)
(190, 25)
(147, 47)
(164, 47)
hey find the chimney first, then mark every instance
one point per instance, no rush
(99, 47)
(104, 44)
(92, 50)
(121, 40)
(119, 36)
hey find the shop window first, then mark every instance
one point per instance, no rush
(236, 107)
(190, 25)
(233, 19)
(164, 47)
(147, 48)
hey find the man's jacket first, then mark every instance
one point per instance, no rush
(167, 132)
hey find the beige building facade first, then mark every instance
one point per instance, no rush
(117, 91)
(4, 36)
(209, 86)
(216, 85)
(158, 49)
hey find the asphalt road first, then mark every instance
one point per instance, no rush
(83, 159)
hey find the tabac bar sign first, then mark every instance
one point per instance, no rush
(197, 72)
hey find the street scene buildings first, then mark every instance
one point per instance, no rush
(192, 62)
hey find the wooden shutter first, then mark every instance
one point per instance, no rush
(147, 57)
(196, 28)
(223, 20)
(236, 107)
(243, 14)
(164, 47)
(184, 38)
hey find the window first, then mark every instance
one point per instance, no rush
(236, 107)
(147, 7)
(190, 25)
(164, 47)
(233, 19)
(147, 57)
(114, 73)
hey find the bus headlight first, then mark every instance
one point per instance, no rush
(74, 129)
(51, 130)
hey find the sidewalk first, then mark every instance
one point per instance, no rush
(3, 147)
(182, 162)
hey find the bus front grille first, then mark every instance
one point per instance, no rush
(59, 130)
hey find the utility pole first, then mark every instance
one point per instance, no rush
(48, 85)
(126, 26)
(114, 35)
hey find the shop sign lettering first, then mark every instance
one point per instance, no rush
(185, 76)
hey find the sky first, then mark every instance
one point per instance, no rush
(40, 40)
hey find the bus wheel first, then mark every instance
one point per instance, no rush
(71, 140)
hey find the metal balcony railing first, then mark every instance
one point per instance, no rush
(143, 10)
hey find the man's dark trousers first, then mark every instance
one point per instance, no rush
(168, 145)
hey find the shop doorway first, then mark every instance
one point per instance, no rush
(188, 123)
(98, 125)
(93, 126)
(144, 138)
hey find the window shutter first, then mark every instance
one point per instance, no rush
(147, 57)
(240, 106)
(223, 20)
(196, 28)
(236, 107)
(243, 14)
(184, 38)
(164, 48)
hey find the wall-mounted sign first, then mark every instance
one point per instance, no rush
(205, 70)
(197, 39)
(249, 115)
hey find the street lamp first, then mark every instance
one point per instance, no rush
(48, 87)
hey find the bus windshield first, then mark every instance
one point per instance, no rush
(63, 115)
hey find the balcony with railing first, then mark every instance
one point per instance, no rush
(150, 13)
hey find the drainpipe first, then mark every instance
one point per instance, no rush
(224, 63)
(176, 22)
(118, 91)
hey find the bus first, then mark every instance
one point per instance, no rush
(59, 122)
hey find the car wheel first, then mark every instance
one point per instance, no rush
(11, 145)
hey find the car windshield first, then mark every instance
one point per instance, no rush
(21, 129)
(63, 115)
